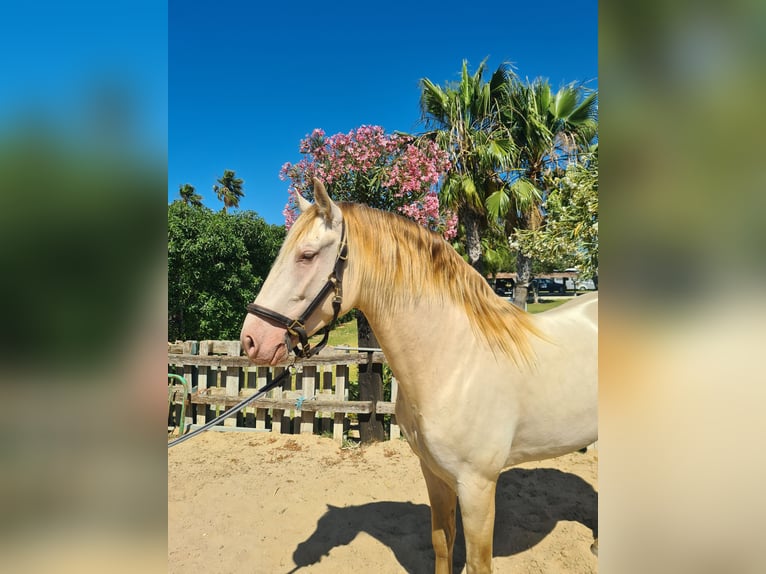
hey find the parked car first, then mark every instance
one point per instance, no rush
(504, 287)
(586, 285)
(549, 286)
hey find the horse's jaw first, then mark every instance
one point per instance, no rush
(263, 343)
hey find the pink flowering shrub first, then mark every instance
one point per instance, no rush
(390, 172)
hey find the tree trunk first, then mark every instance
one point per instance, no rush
(470, 221)
(523, 277)
(370, 384)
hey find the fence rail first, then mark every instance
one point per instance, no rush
(314, 400)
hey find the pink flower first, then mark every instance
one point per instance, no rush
(365, 160)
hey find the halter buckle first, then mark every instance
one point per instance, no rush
(296, 327)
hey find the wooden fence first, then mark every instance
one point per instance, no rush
(313, 400)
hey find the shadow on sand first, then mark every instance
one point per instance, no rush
(529, 503)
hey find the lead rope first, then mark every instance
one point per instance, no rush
(238, 407)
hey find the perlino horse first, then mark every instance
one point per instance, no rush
(482, 384)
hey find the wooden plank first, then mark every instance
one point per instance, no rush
(202, 380)
(189, 376)
(228, 348)
(248, 381)
(341, 376)
(215, 390)
(288, 403)
(326, 390)
(277, 414)
(190, 347)
(308, 387)
(234, 361)
(289, 393)
(210, 347)
(385, 408)
(276, 421)
(232, 389)
(371, 389)
(396, 432)
(325, 417)
(262, 374)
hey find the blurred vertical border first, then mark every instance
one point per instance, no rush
(682, 384)
(83, 156)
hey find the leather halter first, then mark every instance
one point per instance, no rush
(297, 327)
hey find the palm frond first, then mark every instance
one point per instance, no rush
(525, 194)
(498, 204)
(564, 103)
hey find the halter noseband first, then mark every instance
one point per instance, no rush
(297, 327)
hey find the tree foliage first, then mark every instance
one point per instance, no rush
(189, 195)
(549, 129)
(570, 230)
(229, 189)
(463, 119)
(389, 172)
(505, 139)
(216, 264)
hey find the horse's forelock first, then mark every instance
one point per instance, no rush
(300, 228)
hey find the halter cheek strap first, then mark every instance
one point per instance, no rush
(297, 327)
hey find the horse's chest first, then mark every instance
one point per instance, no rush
(428, 440)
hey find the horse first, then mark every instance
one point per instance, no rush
(483, 385)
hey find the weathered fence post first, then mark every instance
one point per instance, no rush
(324, 391)
(276, 414)
(260, 414)
(308, 387)
(190, 373)
(341, 376)
(202, 382)
(395, 432)
(370, 384)
(232, 378)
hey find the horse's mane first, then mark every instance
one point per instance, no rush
(403, 260)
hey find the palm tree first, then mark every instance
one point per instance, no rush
(230, 189)
(548, 129)
(189, 196)
(462, 118)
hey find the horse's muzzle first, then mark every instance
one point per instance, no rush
(264, 343)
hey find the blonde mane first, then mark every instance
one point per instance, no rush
(402, 260)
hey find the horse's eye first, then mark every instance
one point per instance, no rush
(308, 255)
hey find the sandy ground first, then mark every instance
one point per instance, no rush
(277, 504)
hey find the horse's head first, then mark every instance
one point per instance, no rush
(299, 297)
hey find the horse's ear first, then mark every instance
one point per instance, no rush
(327, 207)
(303, 203)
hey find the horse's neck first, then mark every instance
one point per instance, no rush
(416, 339)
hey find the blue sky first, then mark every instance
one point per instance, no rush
(247, 82)
(58, 55)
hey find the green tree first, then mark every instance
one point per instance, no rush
(229, 189)
(216, 264)
(189, 195)
(570, 229)
(549, 130)
(463, 119)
